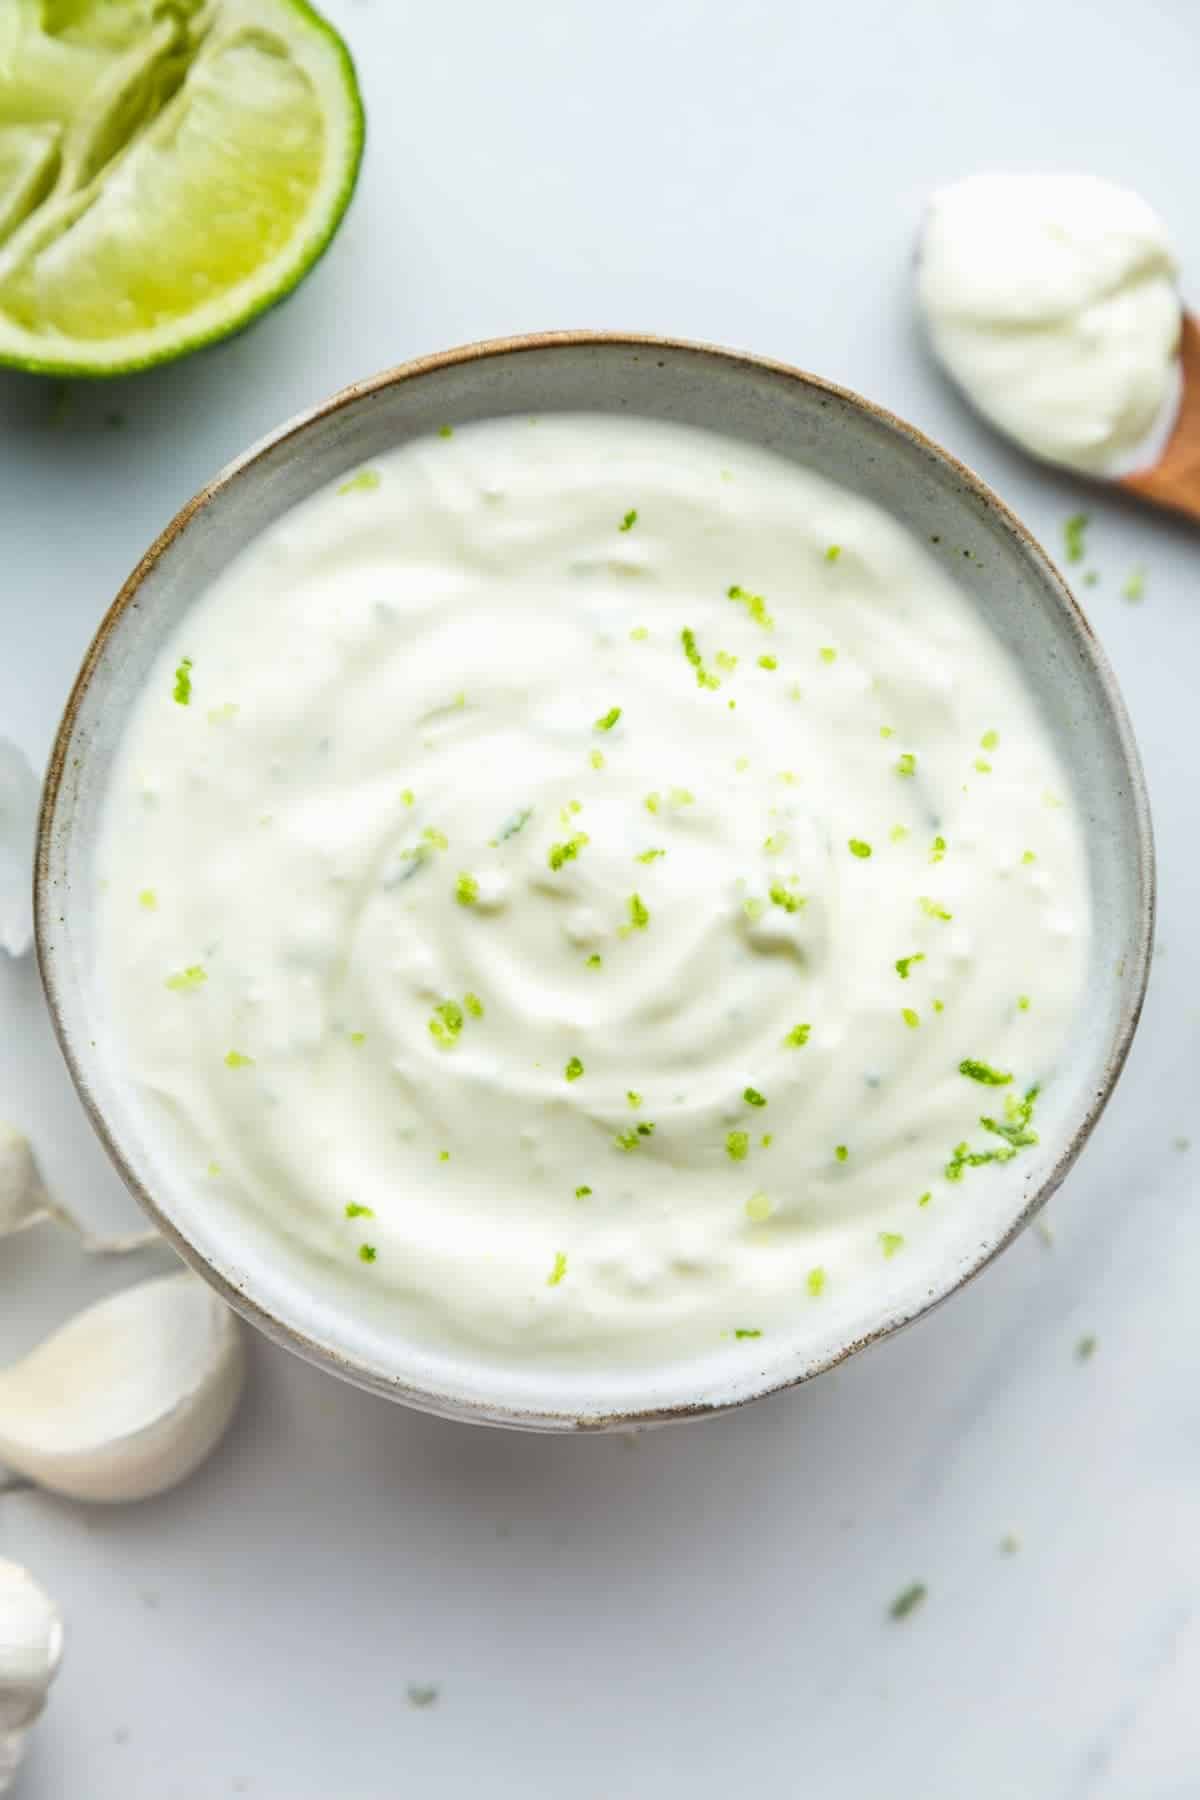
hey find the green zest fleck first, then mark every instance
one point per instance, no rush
(407, 795)
(1073, 536)
(148, 900)
(648, 856)
(1022, 1002)
(776, 843)
(558, 1271)
(446, 1024)
(907, 764)
(754, 909)
(743, 1332)
(766, 1140)
(816, 1282)
(596, 758)
(932, 910)
(608, 721)
(594, 962)
(828, 653)
(365, 482)
(358, 1037)
(758, 1208)
(911, 1019)
(445, 431)
(784, 896)
(443, 1156)
(887, 731)
(510, 828)
(938, 852)
(737, 1145)
(565, 853)
(905, 963)
(639, 913)
(1014, 1127)
(235, 1060)
(984, 767)
(466, 890)
(755, 605)
(367, 1253)
(1134, 586)
(989, 740)
(833, 552)
(187, 980)
(908, 1601)
(582, 1193)
(474, 1005)
(437, 840)
(1028, 857)
(355, 1211)
(633, 1097)
(639, 634)
(629, 1140)
(859, 848)
(890, 1242)
(629, 521)
(925, 1199)
(842, 1153)
(183, 682)
(797, 1037)
(899, 833)
(725, 660)
(691, 649)
(1085, 1348)
(752, 1097)
(983, 1072)
(767, 662)
(574, 1069)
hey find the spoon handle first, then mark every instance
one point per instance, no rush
(1174, 481)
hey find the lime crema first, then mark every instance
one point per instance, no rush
(592, 891)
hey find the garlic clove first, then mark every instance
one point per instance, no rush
(24, 1200)
(31, 1639)
(19, 795)
(129, 1396)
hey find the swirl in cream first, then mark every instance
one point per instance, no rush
(581, 863)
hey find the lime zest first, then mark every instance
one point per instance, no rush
(182, 692)
(559, 1270)
(574, 1069)
(365, 482)
(755, 605)
(629, 521)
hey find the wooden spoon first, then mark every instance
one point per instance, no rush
(1174, 480)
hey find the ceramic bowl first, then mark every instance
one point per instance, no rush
(1018, 592)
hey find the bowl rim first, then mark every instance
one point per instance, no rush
(281, 1331)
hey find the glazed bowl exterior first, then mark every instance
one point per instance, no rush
(1003, 571)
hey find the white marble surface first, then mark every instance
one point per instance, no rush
(702, 1612)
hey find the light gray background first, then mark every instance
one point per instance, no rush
(700, 1612)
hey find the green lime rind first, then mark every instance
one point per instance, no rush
(343, 119)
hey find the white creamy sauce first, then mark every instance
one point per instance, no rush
(1052, 301)
(505, 878)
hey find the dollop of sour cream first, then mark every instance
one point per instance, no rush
(1052, 300)
(596, 886)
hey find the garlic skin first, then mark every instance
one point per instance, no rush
(20, 791)
(24, 1201)
(31, 1640)
(129, 1396)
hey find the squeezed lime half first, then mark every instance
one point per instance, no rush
(168, 170)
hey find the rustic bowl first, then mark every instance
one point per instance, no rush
(1024, 602)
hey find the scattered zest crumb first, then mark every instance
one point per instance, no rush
(908, 1601)
(1085, 1348)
